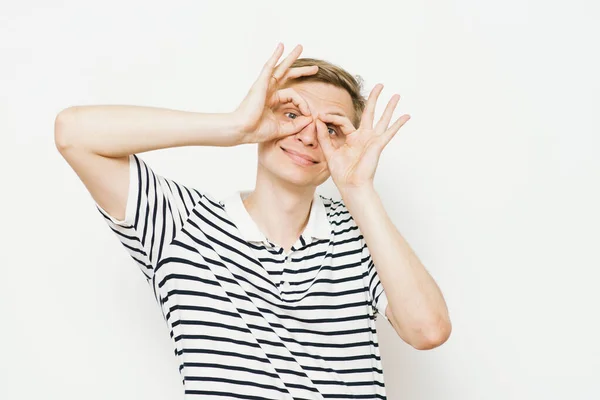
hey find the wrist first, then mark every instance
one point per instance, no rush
(361, 201)
(219, 129)
(241, 131)
(355, 192)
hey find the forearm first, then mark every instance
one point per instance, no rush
(120, 130)
(416, 303)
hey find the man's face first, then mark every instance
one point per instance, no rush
(275, 156)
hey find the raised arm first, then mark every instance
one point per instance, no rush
(96, 141)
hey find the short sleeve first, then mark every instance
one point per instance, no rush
(156, 210)
(377, 295)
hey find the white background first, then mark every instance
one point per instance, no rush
(494, 181)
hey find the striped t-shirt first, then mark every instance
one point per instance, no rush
(247, 320)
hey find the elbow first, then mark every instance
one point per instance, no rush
(434, 337)
(62, 128)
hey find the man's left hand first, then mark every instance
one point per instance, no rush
(352, 164)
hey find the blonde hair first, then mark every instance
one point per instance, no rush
(336, 76)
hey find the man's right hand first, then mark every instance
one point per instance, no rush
(255, 114)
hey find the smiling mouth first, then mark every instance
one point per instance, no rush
(299, 158)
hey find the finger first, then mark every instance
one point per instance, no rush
(289, 95)
(267, 70)
(294, 125)
(343, 122)
(287, 63)
(389, 134)
(368, 114)
(383, 123)
(297, 72)
(324, 139)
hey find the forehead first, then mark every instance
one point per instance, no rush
(325, 98)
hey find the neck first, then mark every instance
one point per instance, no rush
(280, 211)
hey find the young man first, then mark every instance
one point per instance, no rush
(273, 293)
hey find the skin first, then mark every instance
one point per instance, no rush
(302, 117)
(278, 112)
(284, 189)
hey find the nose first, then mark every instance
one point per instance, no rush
(308, 134)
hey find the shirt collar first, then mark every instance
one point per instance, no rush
(317, 226)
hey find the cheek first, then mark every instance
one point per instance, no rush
(269, 153)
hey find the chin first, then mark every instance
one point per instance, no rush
(291, 173)
(294, 175)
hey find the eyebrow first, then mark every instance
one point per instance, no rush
(338, 113)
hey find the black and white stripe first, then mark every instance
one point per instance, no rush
(237, 332)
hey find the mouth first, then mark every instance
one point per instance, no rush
(300, 159)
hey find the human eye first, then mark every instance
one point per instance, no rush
(291, 113)
(332, 129)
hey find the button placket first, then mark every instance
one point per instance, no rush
(287, 262)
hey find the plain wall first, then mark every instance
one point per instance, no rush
(494, 181)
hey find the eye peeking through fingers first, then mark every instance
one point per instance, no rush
(331, 128)
(291, 113)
